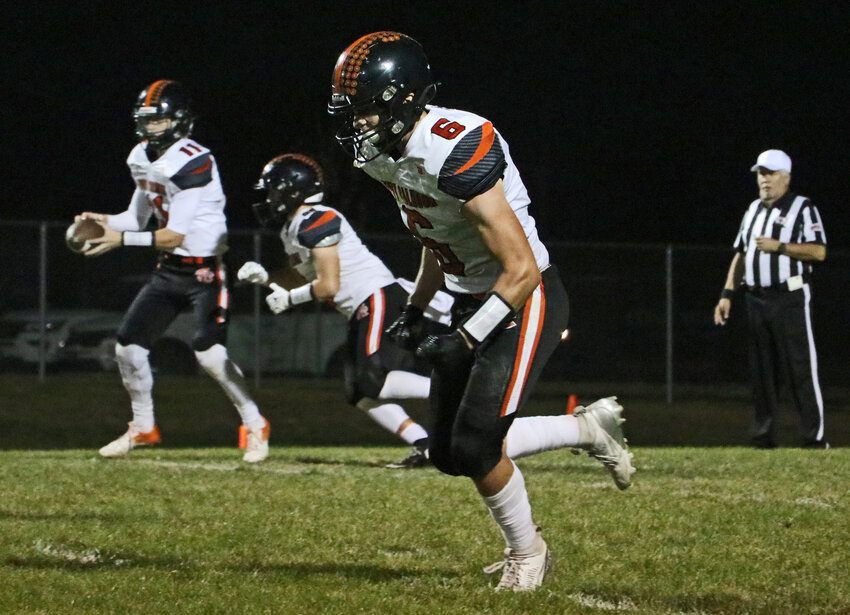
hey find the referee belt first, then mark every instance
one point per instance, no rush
(790, 285)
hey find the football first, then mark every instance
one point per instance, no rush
(78, 234)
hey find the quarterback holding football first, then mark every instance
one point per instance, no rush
(177, 184)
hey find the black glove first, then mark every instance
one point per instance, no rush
(446, 353)
(409, 328)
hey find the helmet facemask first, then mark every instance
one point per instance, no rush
(179, 126)
(397, 109)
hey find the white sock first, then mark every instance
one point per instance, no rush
(413, 433)
(389, 416)
(405, 385)
(217, 364)
(136, 376)
(533, 434)
(511, 510)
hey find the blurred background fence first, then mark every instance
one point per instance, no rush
(639, 312)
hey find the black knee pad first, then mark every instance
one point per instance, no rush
(442, 459)
(367, 381)
(474, 453)
(126, 340)
(206, 338)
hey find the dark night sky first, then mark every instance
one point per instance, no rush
(627, 123)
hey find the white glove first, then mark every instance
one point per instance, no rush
(255, 273)
(278, 301)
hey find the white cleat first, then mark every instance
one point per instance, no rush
(523, 573)
(130, 440)
(257, 443)
(600, 425)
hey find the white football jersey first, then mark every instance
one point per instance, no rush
(183, 190)
(451, 157)
(361, 272)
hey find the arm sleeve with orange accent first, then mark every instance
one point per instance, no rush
(475, 164)
(320, 229)
(195, 174)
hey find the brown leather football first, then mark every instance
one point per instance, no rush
(78, 234)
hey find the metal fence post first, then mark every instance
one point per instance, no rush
(42, 300)
(669, 286)
(258, 245)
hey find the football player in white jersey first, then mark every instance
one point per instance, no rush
(177, 182)
(460, 194)
(329, 263)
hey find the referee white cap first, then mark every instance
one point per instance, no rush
(773, 159)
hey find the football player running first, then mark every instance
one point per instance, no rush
(329, 263)
(460, 194)
(177, 182)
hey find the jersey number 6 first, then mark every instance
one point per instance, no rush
(447, 129)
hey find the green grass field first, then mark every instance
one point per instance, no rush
(329, 530)
(188, 528)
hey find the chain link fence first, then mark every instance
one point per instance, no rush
(639, 312)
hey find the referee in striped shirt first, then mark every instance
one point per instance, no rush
(781, 236)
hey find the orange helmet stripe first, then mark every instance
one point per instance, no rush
(350, 61)
(302, 158)
(155, 91)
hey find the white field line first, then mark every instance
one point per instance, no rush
(224, 467)
(697, 488)
(87, 556)
(624, 605)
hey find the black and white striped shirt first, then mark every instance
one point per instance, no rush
(791, 219)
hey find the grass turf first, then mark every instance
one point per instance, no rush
(188, 528)
(329, 530)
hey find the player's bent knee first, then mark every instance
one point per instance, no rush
(134, 366)
(474, 454)
(442, 460)
(214, 360)
(364, 383)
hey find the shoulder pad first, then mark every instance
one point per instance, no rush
(196, 172)
(475, 164)
(320, 228)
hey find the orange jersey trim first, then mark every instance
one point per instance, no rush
(533, 316)
(487, 137)
(206, 167)
(377, 303)
(325, 217)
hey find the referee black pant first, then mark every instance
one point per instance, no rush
(782, 345)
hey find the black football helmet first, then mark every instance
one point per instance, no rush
(287, 181)
(163, 99)
(385, 74)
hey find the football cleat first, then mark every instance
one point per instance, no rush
(418, 457)
(130, 440)
(257, 443)
(600, 426)
(523, 573)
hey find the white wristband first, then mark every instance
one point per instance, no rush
(302, 294)
(490, 315)
(135, 238)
